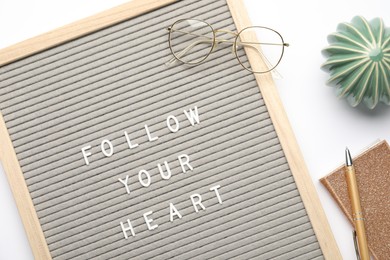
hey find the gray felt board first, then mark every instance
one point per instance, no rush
(96, 87)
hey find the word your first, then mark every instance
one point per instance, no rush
(172, 123)
(196, 201)
(144, 176)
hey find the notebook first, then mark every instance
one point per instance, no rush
(372, 169)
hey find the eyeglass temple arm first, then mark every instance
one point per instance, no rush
(185, 50)
(274, 71)
(246, 44)
(223, 40)
(192, 45)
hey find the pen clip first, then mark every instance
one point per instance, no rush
(356, 244)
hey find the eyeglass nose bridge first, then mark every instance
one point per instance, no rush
(225, 31)
(221, 40)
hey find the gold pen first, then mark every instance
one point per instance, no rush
(357, 214)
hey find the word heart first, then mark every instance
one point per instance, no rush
(196, 200)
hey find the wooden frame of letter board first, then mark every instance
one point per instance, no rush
(118, 14)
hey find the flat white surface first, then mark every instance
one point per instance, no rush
(323, 124)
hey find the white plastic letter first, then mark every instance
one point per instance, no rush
(86, 154)
(148, 221)
(129, 142)
(198, 202)
(177, 126)
(192, 116)
(125, 182)
(184, 162)
(130, 227)
(173, 211)
(105, 141)
(143, 183)
(151, 139)
(215, 189)
(167, 175)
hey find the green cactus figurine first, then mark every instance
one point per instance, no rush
(358, 60)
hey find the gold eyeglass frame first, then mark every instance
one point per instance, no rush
(215, 40)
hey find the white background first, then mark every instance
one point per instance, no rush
(323, 124)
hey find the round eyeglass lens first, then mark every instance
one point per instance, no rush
(191, 41)
(263, 43)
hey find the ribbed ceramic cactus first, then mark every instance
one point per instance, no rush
(358, 60)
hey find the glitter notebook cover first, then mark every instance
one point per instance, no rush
(373, 176)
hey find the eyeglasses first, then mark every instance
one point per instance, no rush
(192, 41)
